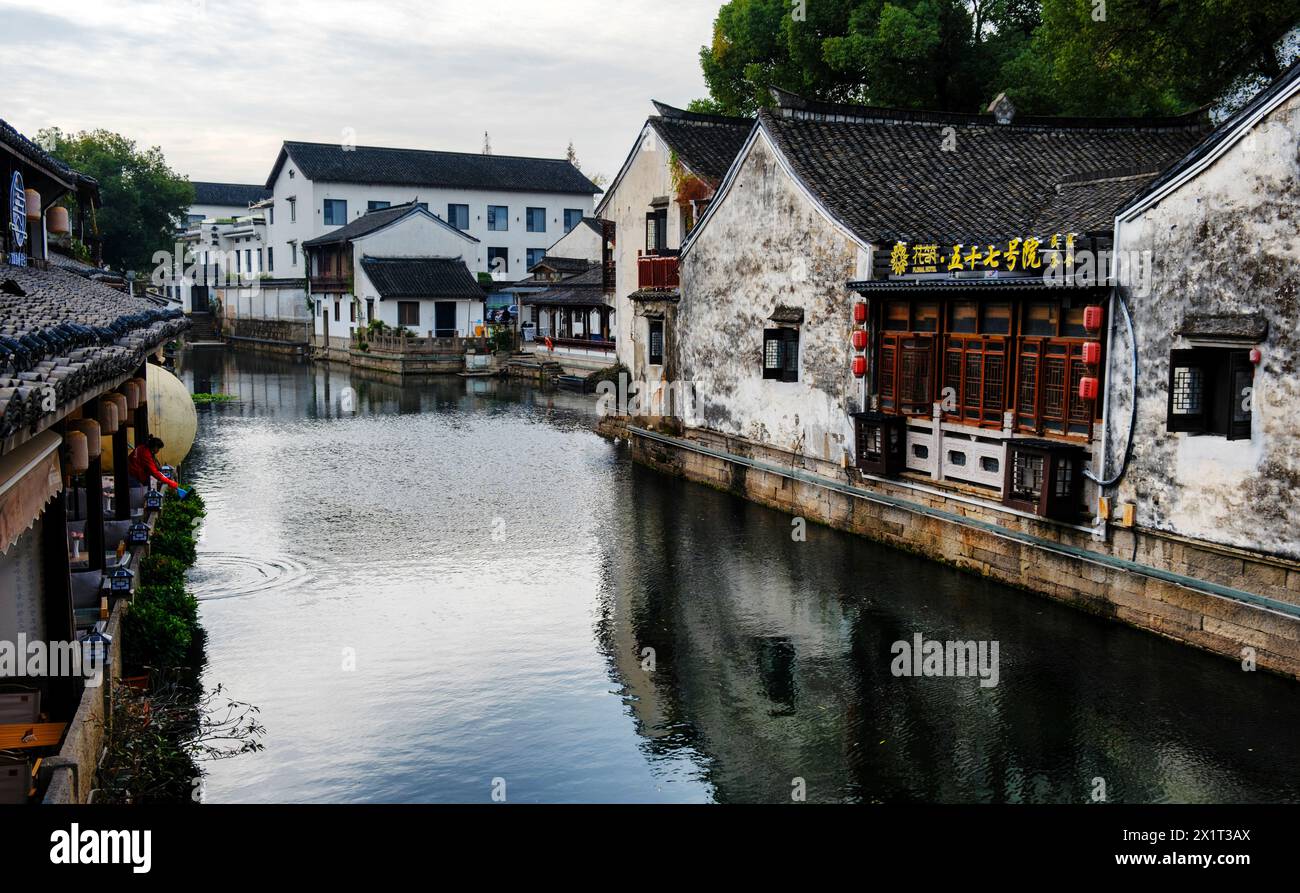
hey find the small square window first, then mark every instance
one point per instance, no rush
(336, 212)
(498, 218)
(1211, 391)
(781, 354)
(537, 220)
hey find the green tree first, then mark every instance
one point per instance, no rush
(1136, 57)
(1148, 56)
(144, 200)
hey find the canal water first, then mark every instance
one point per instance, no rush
(457, 587)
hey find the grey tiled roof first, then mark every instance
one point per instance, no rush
(419, 167)
(705, 144)
(1094, 200)
(371, 221)
(39, 157)
(421, 277)
(60, 330)
(885, 175)
(231, 195)
(564, 264)
(586, 289)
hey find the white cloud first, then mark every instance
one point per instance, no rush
(219, 84)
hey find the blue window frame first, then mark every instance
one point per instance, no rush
(572, 217)
(378, 206)
(498, 218)
(535, 256)
(458, 216)
(336, 212)
(537, 220)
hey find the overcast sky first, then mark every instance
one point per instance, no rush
(219, 84)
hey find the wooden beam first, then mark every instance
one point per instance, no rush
(56, 572)
(94, 500)
(121, 480)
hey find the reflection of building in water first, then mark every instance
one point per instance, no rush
(772, 662)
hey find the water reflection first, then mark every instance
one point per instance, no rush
(521, 602)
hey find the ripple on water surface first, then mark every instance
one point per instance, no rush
(222, 575)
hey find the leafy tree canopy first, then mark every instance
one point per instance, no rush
(1066, 57)
(144, 199)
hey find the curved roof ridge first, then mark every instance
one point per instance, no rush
(792, 105)
(673, 113)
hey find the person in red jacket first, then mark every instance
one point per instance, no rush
(143, 465)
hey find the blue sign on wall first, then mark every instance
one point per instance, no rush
(18, 220)
(18, 210)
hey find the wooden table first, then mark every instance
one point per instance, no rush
(25, 736)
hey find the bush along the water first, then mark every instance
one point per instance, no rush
(162, 629)
(164, 728)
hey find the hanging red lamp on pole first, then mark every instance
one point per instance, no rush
(859, 340)
(860, 312)
(1092, 353)
(1088, 388)
(860, 367)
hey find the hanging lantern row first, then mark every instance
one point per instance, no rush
(860, 339)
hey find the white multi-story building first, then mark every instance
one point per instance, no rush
(515, 207)
(219, 216)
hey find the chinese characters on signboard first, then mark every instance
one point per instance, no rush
(17, 220)
(1023, 256)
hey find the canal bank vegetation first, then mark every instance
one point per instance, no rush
(163, 724)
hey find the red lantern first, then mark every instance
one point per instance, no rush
(1092, 317)
(1092, 353)
(1256, 356)
(860, 367)
(859, 340)
(860, 312)
(1088, 388)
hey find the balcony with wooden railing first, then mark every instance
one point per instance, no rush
(658, 270)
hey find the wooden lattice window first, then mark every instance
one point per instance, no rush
(907, 374)
(975, 375)
(1047, 392)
